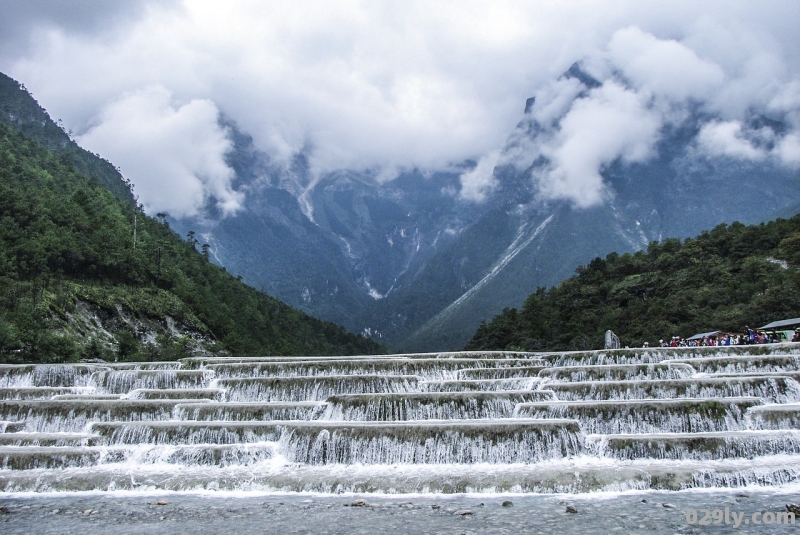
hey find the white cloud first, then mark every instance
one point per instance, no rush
(174, 154)
(788, 150)
(381, 85)
(477, 183)
(726, 139)
(664, 66)
(610, 123)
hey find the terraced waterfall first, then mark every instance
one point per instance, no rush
(440, 423)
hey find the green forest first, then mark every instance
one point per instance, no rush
(72, 250)
(724, 279)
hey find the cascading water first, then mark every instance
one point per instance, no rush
(451, 422)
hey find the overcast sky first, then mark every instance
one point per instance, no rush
(385, 86)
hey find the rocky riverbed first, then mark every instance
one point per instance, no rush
(206, 514)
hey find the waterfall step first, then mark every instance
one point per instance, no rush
(428, 368)
(497, 356)
(61, 457)
(431, 441)
(177, 393)
(697, 446)
(183, 432)
(270, 410)
(576, 475)
(53, 375)
(168, 365)
(11, 427)
(326, 442)
(427, 405)
(743, 364)
(661, 354)
(776, 389)
(74, 415)
(793, 375)
(86, 397)
(682, 415)
(509, 372)
(36, 392)
(775, 416)
(480, 385)
(48, 439)
(123, 381)
(317, 388)
(618, 372)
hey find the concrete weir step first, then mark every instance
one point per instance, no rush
(52, 375)
(742, 364)
(338, 442)
(617, 372)
(270, 410)
(123, 381)
(315, 388)
(776, 389)
(11, 427)
(74, 414)
(696, 446)
(37, 392)
(568, 475)
(180, 432)
(203, 455)
(431, 442)
(177, 393)
(775, 416)
(508, 372)
(497, 356)
(426, 405)
(480, 385)
(22, 438)
(430, 368)
(682, 415)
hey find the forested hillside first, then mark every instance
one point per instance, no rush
(723, 279)
(84, 274)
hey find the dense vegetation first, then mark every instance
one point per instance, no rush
(724, 279)
(66, 241)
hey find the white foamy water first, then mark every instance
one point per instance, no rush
(592, 422)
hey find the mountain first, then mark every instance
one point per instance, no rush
(414, 265)
(20, 111)
(84, 273)
(724, 279)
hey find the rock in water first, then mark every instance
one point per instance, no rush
(571, 509)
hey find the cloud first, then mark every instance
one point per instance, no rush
(788, 150)
(646, 83)
(477, 183)
(174, 154)
(664, 66)
(610, 123)
(726, 139)
(378, 86)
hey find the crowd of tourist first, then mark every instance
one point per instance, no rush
(749, 336)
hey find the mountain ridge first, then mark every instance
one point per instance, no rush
(84, 274)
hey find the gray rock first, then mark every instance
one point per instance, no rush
(508, 503)
(571, 509)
